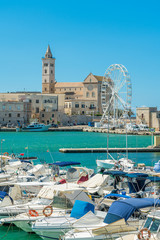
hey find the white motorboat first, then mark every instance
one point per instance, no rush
(150, 229)
(61, 205)
(81, 214)
(115, 222)
(34, 127)
(107, 163)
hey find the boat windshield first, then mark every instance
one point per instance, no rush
(152, 224)
(155, 225)
(148, 222)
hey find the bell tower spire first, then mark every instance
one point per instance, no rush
(48, 72)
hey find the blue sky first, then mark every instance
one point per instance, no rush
(84, 36)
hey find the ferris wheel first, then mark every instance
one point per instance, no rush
(116, 94)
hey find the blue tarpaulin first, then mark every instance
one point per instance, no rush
(80, 208)
(64, 164)
(125, 208)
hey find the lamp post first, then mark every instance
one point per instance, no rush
(2, 140)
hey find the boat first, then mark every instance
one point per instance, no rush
(150, 229)
(82, 213)
(118, 221)
(33, 127)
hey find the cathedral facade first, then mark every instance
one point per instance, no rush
(83, 98)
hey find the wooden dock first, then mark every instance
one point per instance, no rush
(111, 150)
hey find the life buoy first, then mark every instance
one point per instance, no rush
(33, 213)
(146, 236)
(45, 211)
(6, 153)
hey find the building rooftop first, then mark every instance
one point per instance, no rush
(68, 84)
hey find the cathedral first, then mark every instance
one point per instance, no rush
(80, 97)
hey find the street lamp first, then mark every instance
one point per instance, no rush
(2, 140)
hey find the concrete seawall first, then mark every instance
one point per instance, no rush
(102, 150)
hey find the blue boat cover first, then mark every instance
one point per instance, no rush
(154, 179)
(125, 208)
(137, 175)
(2, 195)
(25, 161)
(64, 164)
(80, 208)
(116, 195)
(114, 173)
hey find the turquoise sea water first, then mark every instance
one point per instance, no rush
(39, 143)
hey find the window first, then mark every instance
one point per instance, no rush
(87, 94)
(69, 105)
(75, 89)
(37, 100)
(51, 81)
(93, 94)
(45, 80)
(51, 64)
(77, 105)
(51, 89)
(83, 105)
(9, 115)
(45, 71)
(51, 71)
(37, 110)
(18, 108)
(53, 115)
(43, 115)
(90, 80)
(3, 107)
(18, 114)
(45, 89)
(45, 64)
(10, 108)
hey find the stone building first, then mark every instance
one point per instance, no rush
(44, 107)
(149, 116)
(80, 97)
(13, 111)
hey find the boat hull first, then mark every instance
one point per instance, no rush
(105, 163)
(40, 129)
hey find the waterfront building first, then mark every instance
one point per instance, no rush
(149, 116)
(82, 98)
(44, 107)
(13, 111)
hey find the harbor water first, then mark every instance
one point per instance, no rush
(46, 145)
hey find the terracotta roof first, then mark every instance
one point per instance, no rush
(68, 84)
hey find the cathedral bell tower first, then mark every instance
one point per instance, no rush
(48, 72)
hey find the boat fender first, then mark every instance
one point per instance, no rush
(33, 213)
(45, 211)
(147, 234)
